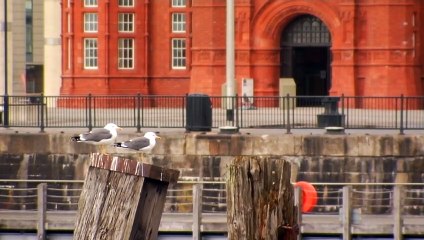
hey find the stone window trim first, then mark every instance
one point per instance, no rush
(90, 53)
(126, 3)
(178, 56)
(126, 22)
(126, 49)
(178, 3)
(91, 22)
(178, 22)
(90, 3)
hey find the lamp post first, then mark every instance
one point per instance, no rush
(6, 98)
(230, 72)
(230, 59)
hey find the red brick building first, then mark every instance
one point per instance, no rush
(173, 47)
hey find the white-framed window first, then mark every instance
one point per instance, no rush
(178, 3)
(178, 53)
(126, 53)
(126, 22)
(90, 53)
(126, 3)
(91, 22)
(178, 22)
(90, 3)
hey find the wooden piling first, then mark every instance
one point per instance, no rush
(41, 210)
(260, 199)
(122, 199)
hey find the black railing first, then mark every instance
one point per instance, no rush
(193, 112)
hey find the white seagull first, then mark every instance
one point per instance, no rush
(101, 136)
(141, 144)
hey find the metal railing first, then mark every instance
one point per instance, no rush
(63, 195)
(383, 208)
(141, 111)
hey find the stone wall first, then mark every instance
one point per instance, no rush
(316, 158)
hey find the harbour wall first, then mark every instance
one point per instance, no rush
(342, 158)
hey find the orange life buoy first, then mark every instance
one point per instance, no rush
(309, 196)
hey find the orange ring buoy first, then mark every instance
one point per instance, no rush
(309, 196)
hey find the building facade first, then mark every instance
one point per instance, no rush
(33, 45)
(174, 47)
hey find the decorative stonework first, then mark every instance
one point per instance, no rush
(347, 18)
(265, 56)
(242, 56)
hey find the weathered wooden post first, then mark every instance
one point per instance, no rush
(41, 210)
(260, 199)
(122, 199)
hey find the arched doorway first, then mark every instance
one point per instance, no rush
(305, 55)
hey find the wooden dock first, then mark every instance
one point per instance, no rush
(217, 222)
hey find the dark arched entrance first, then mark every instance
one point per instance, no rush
(305, 55)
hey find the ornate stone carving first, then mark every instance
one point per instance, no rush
(347, 18)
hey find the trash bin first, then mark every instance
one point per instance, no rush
(198, 112)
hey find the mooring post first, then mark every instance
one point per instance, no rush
(197, 211)
(122, 199)
(41, 210)
(260, 199)
(347, 213)
(298, 204)
(398, 212)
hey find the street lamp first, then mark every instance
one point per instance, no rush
(230, 69)
(6, 98)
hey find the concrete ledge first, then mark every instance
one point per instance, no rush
(213, 144)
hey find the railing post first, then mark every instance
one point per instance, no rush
(138, 106)
(343, 108)
(6, 111)
(288, 127)
(41, 112)
(41, 210)
(401, 114)
(183, 111)
(347, 212)
(197, 211)
(90, 123)
(397, 212)
(237, 111)
(298, 204)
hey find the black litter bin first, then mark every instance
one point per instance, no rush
(198, 112)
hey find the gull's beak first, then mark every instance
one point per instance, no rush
(157, 137)
(119, 128)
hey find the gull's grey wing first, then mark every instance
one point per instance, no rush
(96, 135)
(137, 143)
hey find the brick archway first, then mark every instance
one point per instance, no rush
(268, 25)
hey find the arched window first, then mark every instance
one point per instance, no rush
(306, 30)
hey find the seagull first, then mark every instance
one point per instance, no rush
(101, 136)
(141, 144)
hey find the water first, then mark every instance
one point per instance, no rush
(68, 236)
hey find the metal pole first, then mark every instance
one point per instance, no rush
(230, 58)
(6, 98)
